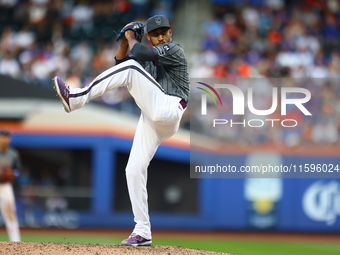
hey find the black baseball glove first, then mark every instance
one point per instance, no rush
(136, 26)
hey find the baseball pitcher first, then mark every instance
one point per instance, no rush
(157, 78)
(9, 160)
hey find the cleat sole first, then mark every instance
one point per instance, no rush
(65, 105)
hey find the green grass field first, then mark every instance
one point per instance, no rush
(228, 246)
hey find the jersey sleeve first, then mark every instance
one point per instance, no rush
(168, 54)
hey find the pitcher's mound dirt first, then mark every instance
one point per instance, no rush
(28, 248)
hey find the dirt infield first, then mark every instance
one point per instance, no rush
(19, 248)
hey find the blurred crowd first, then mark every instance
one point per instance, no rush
(277, 38)
(74, 39)
(297, 40)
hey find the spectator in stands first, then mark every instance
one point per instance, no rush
(9, 65)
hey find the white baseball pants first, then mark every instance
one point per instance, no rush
(8, 211)
(159, 120)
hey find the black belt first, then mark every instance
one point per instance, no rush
(183, 104)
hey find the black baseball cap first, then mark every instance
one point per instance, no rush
(157, 21)
(5, 132)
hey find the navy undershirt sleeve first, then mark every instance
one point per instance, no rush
(118, 61)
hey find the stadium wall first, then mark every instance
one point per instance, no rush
(178, 202)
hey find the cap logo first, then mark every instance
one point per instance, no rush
(158, 20)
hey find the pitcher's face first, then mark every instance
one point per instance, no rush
(160, 35)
